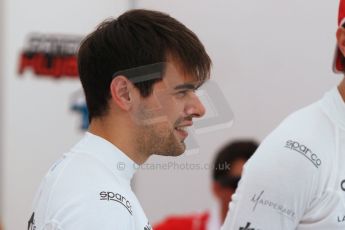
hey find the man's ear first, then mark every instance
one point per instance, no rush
(120, 90)
(341, 39)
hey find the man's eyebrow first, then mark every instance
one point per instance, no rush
(186, 86)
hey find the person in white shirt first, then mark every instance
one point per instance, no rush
(296, 178)
(139, 73)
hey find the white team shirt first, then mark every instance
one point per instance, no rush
(296, 179)
(89, 189)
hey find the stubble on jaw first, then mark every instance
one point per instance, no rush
(156, 134)
(159, 139)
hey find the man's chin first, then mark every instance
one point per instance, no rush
(182, 149)
(178, 151)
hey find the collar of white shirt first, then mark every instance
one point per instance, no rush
(108, 154)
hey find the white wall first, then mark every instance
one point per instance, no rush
(270, 58)
(38, 126)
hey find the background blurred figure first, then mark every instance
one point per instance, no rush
(227, 169)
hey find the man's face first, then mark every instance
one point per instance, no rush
(164, 116)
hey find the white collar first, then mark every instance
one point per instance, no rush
(108, 154)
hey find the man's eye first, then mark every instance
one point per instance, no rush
(181, 93)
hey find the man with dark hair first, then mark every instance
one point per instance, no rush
(226, 172)
(296, 178)
(139, 73)
(225, 179)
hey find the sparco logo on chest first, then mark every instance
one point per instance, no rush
(110, 196)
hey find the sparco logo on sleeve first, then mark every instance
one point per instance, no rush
(305, 151)
(110, 196)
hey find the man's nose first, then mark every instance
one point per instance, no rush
(195, 107)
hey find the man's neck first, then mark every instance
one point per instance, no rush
(118, 136)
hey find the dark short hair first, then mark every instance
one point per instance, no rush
(236, 150)
(136, 38)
